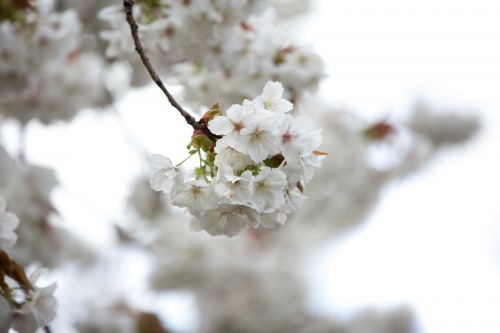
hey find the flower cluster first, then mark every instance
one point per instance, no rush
(253, 174)
(27, 307)
(183, 29)
(44, 71)
(236, 44)
(262, 54)
(23, 306)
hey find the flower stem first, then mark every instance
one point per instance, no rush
(184, 160)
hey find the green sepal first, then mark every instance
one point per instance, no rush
(274, 161)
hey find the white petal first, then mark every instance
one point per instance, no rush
(158, 161)
(159, 182)
(272, 90)
(257, 152)
(221, 125)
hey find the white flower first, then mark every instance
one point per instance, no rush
(297, 138)
(293, 199)
(117, 38)
(270, 220)
(237, 118)
(234, 189)
(302, 69)
(198, 196)
(226, 220)
(258, 141)
(272, 99)
(303, 170)
(310, 163)
(8, 222)
(228, 156)
(268, 189)
(165, 176)
(39, 309)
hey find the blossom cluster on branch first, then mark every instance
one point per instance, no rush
(253, 175)
(219, 51)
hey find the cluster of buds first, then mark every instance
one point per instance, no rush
(252, 173)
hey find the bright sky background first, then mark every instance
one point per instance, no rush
(433, 241)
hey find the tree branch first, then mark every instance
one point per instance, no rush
(128, 5)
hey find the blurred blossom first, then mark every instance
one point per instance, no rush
(265, 133)
(443, 127)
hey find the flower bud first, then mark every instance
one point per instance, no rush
(199, 140)
(210, 114)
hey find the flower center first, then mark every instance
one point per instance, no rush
(261, 186)
(257, 135)
(238, 127)
(287, 138)
(269, 104)
(196, 190)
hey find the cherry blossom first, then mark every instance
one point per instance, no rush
(253, 174)
(38, 310)
(165, 176)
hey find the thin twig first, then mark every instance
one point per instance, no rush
(128, 5)
(47, 329)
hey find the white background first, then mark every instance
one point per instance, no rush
(433, 241)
